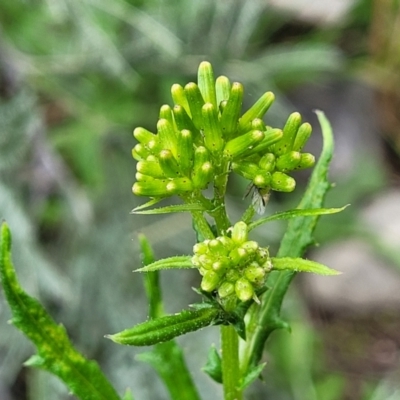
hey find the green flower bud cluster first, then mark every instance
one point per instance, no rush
(233, 266)
(205, 131)
(267, 165)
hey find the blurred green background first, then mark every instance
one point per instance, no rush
(77, 76)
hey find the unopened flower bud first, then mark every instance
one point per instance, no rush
(206, 83)
(302, 135)
(222, 89)
(244, 289)
(242, 144)
(258, 110)
(210, 281)
(289, 134)
(240, 232)
(282, 182)
(196, 103)
(212, 130)
(288, 161)
(226, 289)
(232, 110)
(179, 97)
(307, 160)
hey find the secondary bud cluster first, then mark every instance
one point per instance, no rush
(205, 130)
(268, 165)
(234, 266)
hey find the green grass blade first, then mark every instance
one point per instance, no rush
(55, 353)
(295, 241)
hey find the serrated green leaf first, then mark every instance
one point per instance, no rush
(172, 209)
(213, 366)
(162, 329)
(301, 265)
(252, 375)
(178, 262)
(295, 214)
(56, 354)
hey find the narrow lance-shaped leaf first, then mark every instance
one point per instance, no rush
(176, 262)
(166, 328)
(295, 214)
(301, 265)
(172, 209)
(55, 354)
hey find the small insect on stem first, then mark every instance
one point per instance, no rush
(259, 197)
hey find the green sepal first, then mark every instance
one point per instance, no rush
(143, 136)
(150, 168)
(206, 83)
(55, 352)
(301, 265)
(177, 262)
(282, 182)
(166, 328)
(302, 136)
(212, 130)
(172, 209)
(289, 134)
(196, 102)
(271, 136)
(251, 375)
(153, 188)
(185, 155)
(213, 366)
(240, 145)
(167, 135)
(288, 161)
(230, 116)
(222, 89)
(307, 160)
(313, 212)
(179, 98)
(257, 110)
(168, 164)
(166, 113)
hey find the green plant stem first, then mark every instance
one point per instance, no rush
(220, 216)
(230, 363)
